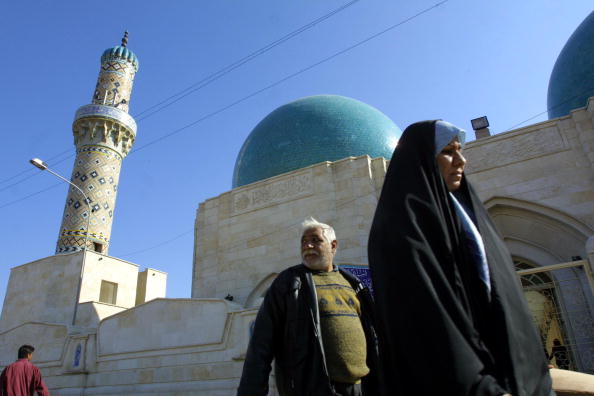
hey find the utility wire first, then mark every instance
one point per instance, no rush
(278, 82)
(31, 195)
(213, 77)
(34, 174)
(168, 241)
(509, 129)
(229, 68)
(346, 202)
(240, 243)
(31, 170)
(290, 76)
(551, 108)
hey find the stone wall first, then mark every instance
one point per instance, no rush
(100, 268)
(163, 347)
(550, 163)
(152, 284)
(251, 232)
(537, 183)
(41, 291)
(246, 236)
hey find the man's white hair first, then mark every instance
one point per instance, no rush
(327, 231)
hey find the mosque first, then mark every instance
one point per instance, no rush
(122, 336)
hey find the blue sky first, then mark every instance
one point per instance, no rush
(457, 61)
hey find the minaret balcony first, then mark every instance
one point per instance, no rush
(103, 111)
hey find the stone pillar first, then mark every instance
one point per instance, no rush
(104, 133)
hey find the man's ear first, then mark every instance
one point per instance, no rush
(334, 245)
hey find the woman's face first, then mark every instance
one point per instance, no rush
(451, 163)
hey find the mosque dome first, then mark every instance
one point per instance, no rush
(121, 52)
(311, 130)
(572, 79)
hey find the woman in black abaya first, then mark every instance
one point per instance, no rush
(451, 314)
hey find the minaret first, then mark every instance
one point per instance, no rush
(104, 133)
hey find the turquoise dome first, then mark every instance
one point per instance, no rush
(312, 130)
(120, 53)
(572, 79)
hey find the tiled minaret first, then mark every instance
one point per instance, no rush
(103, 134)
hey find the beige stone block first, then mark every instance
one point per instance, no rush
(90, 313)
(570, 383)
(151, 284)
(49, 301)
(146, 376)
(48, 339)
(163, 324)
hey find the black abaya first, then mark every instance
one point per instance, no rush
(441, 331)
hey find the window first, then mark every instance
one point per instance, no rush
(98, 247)
(108, 293)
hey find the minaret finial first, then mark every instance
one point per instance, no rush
(125, 39)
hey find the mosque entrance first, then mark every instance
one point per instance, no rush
(560, 304)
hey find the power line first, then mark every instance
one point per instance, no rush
(290, 76)
(591, 89)
(33, 175)
(31, 195)
(218, 74)
(30, 170)
(158, 244)
(239, 243)
(278, 82)
(229, 68)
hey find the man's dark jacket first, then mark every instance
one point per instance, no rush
(287, 329)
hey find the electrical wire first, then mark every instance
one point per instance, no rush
(34, 174)
(31, 195)
(218, 74)
(278, 82)
(551, 108)
(286, 78)
(229, 68)
(240, 243)
(31, 170)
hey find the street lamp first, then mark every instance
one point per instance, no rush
(43, 166)
(36, 162)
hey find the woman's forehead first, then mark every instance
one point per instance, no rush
(455, 142)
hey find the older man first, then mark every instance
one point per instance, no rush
(316, 322)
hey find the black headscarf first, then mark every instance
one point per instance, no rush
(441, 331)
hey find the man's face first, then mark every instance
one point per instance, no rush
(316, 252)
(30, 356)
(451, 164)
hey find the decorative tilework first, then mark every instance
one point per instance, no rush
(97, 171)
(313, 130)
(360, 272)
(108, 112)
(286, 189)
(572, 68)
(102, 150)
(104, 133)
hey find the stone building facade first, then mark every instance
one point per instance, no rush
(538, 183)
(122, 336)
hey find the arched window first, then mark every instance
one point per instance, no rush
(541, 295)
(537, 281)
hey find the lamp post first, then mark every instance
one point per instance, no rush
(36, 162)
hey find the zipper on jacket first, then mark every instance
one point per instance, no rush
(316, 325)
